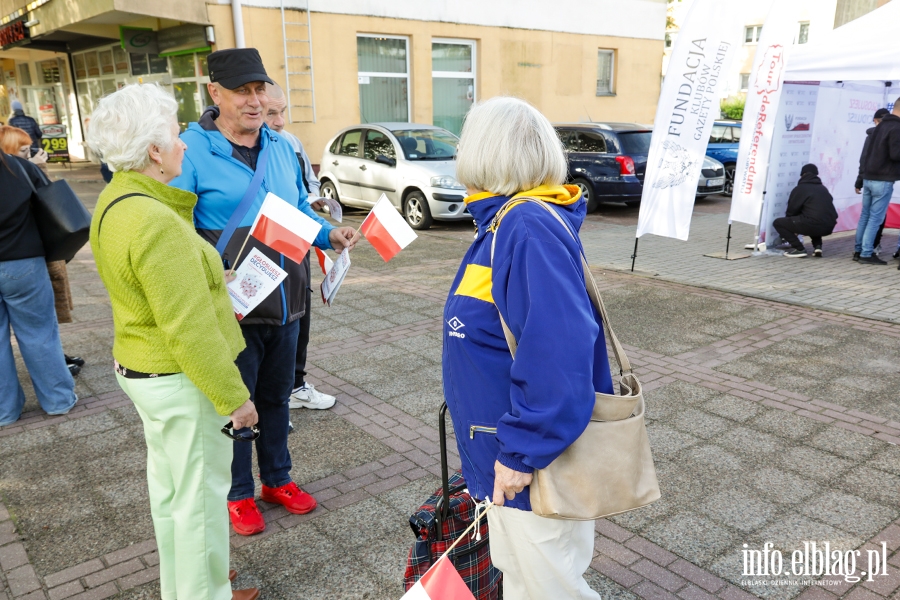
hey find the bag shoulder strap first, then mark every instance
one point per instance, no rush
(590, 283)
(110, 205)
(247, 201)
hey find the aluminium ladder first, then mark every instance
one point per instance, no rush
(298, 62)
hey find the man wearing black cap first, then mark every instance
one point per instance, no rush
(880, 169)
(233, 160)
(810, 211)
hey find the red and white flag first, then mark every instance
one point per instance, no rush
(386, 230)
(284, 228)
(441, 582)
(325, 263)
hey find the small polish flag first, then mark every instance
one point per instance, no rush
(284, 228)
(325, 263)
(386, 230)
(441, 582)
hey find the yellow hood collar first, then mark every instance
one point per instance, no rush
(555, 194)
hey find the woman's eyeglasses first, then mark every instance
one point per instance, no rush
(247, 435)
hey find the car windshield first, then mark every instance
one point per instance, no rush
(635, 142)
(427, 144)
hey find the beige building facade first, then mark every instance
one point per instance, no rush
(343, 62)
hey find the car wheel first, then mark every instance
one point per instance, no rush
(416, 211)
(329, 191)
(587, 192)
(729, 180)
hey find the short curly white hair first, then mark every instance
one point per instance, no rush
(508, 146)
(127, 122)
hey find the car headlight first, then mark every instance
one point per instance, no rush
(446, 182)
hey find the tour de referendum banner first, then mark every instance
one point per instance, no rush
(688, 105)
(764, 91)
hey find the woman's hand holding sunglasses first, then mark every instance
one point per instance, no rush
(245, 416)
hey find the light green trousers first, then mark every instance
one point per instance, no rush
(189, 475)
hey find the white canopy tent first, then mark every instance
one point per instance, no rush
(832, 88)
(862, 50)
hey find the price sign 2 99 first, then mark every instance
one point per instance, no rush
(55, 143)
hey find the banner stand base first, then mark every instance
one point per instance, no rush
(729, 256)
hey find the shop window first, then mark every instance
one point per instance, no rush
(745, 81)
(120, 59)
(383, 78)
(201, 58)
(93, 65)
(453, 82)
(80, 71)
(139, 65)
(48, 71)
(606, 60)
(158, 64)
(24, 74)
(106, 62)
(803, 35)
(183, 66)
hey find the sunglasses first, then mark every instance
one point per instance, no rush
(247, 435)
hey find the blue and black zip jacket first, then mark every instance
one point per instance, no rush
(522, 413)
(215, 171)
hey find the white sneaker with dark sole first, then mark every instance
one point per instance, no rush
(817, 253)
(309, 397)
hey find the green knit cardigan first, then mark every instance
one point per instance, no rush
(171, 310)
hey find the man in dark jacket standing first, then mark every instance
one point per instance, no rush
(881, 168)
(876, 119)
(810, 211)
(22, 121)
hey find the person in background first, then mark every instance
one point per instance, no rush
(304, 394)
(527, 410)
(22, 121)
(224, 150)
(26, 301)
(810, 211)
(880, 169)
(876, 119)
(176, 338)
(16, 142)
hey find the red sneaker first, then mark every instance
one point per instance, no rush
(245, 517)
(291, 497)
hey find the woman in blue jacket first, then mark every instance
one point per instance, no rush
(515, 416)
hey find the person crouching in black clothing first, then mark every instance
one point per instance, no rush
(810, 211)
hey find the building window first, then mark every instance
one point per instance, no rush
(751, 34)
(668, 40)
(453, 82)
(803, 35)
(606, 60)
(745, 81)
(383, 78)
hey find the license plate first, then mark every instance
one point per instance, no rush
(715, 182)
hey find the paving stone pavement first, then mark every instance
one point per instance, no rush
(769, 421)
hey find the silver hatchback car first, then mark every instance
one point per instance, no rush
(413, 165)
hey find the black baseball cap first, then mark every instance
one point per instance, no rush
(881, 113)
(235, 67)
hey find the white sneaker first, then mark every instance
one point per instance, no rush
(308, 397)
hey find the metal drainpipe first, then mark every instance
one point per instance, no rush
(238, 19)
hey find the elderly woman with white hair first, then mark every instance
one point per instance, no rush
(518, 415)
(176, 338)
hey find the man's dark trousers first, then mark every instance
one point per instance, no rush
(266, 368)
(789, 227)
(303, 337)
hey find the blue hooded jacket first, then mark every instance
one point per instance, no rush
(219, 178)
(522, 413)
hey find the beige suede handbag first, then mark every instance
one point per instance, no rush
(609, 468)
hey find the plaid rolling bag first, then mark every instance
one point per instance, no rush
(438, 523)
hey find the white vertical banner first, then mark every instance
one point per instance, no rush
(764, 91)
(790, 151)
(688, 105)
